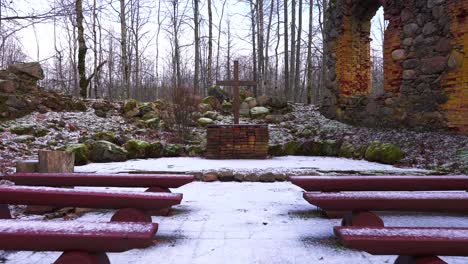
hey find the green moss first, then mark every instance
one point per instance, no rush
(312, 148)
(149, 115)
(331, 148)
(173, 150)
(384, 153)
(292, 148)
(195, 150)
(137, 148)
(22, 130)
(347, 150)
(81, 152)
(276, 150)
(130, 105)
(40, 132)
(104, 135)
(155, 150)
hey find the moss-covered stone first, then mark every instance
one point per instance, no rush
(292, 148)
(204, 108)
(384, 153)
(155, 150)
(226, 107)
(104, 151)
(40, 132)
(259, 112)
(149, 115)
(331, 148)
(81, 152)
(195, 150)
(137, 148)
(276, 150)
(152, 123)
(129, 105)
(22, 130)
(104, 135)
(173, 150)
(212, 101)
(204, 121)
(347, 150)
(312, 148)
(211, 115)
(24, 139)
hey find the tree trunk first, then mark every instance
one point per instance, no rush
(286, 51)
(254, 46)
(210, 44)
(260, 42)
(267, 56)
(82, 49)
(196, 81)
(292, 78)
(298, 52)
(219, 39)
(309, 53)
(123, 48)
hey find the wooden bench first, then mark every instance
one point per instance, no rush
(133, 206)
(155, 182)
(81, 242)
(336, 204)
(380, 183)
(414, 245)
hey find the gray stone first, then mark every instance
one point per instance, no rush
(434, 65)
(443, 45)
(32, 69)
(211, 115)
(244, 109)
(409, 74)
(410, 64)
(406, 15)
(429, 28)
(259, 112)
(7, 86)
(410, 29)
(252, 102)
(104, 151)
(408, 41)
(252, 177)
(268, 177)
(24, 139)
(398, 54)
(432, 3)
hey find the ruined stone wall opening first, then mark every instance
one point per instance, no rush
(377, 32)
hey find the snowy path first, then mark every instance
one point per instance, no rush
(248, 223)
(288, 165)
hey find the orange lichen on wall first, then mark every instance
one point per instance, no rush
(455, 81)
(392, 69)
(352, 52)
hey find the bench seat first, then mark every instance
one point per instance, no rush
(75, 236)
(24, 195)
(390, 201)
(409, 241)
(98, 180)
(380, 183)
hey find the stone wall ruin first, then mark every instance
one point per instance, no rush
(425, 64)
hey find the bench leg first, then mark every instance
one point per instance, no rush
(362, 218)
(164, 211)
(82, 257)
(131, 215)
(4, 212)
(419, 260)
(334, 214)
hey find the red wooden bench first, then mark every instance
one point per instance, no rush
(334, 204)
(380, 183)
(155, 182)
(414, 245)
(82, 242)
(133, 205)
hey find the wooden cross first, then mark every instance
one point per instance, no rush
(236, 83)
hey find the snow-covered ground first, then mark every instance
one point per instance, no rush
(248, 223)
(286, 165)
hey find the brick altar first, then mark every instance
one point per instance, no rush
(237, 142)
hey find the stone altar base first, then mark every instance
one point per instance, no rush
(237, 142)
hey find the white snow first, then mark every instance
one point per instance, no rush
(433, 233)
(391, 195)
(288, 164)
(244, 223)
(71, 227)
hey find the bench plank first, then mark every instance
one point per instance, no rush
(411, 241)
(74, 235)
(23, 195)
(380, 183)
(104, 180)
(390, 201)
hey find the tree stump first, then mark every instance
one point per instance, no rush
(27, 166)
(51, 161)
(56, 161)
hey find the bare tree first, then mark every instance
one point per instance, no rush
(82, 49)
(286, 51)
(123, 50)
(292, 78)
(309, 53)
(196, 79)
(210, 44)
